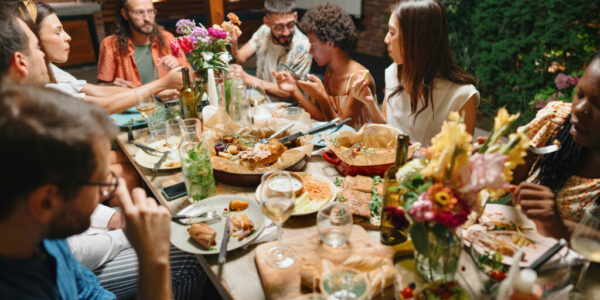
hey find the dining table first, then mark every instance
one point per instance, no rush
(240, 278)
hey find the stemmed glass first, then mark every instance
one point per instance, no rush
(586, 241)
(277, 200)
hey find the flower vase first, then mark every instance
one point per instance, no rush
(196, 166)
(437, 251)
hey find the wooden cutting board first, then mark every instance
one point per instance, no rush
(285, 283)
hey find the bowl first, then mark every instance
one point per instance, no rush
(252, 180)
(351, 170)
(345, 284)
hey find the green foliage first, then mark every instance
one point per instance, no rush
(516, 48)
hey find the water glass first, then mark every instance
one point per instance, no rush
(190, 129)
(334, 223)
(172, 133)
(156, 121)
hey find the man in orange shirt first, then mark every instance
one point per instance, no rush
(138, 52)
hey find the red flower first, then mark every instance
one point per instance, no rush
(186, 45)
(175, 48)
(451, 219)
(397, 216)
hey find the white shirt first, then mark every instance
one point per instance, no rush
(98, 245)
(66, 83)
(447, 97)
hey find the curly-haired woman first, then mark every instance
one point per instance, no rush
(331, 33)
(424, 83)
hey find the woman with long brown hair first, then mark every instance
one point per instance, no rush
(424, 83)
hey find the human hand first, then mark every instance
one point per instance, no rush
(116, 221)
(538, 203)
(313, 87)
(169, 94)
(123, 83)
(232, 37)
(173, 80)
(360, 91)
(147, 225)
(168, 62)
(285, 81)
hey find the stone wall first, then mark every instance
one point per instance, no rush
(372, 27)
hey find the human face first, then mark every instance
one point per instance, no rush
(585, 112)
(37, 72)
(75, 215)
(140, 14)
(320, 51)
(282, 27)
(55, 40)
(393, 40)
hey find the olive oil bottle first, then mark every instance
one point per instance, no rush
(392, 197)
(187, 97)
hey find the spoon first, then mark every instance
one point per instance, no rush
(206, 217)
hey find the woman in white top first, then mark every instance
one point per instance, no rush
(55, 43)
(424, 84)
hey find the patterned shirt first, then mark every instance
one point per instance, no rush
(113, 64)
(296, 55)
(577, 193)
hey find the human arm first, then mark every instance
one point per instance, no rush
(270, 88)
(286, 82)
(538, 203)
(315, 89)
(102, 90)
(148, 231)
(241, 55)
(361, 91)
(94, 250)
(469, 111)
(105, 217)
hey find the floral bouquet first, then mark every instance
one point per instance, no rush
(442, 187)
(206, 48)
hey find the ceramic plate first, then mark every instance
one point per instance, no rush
(122, 119)
(181, 239)
(148, 159)
(314, 207)
(318, 140)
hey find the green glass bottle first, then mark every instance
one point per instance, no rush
(392, 197)
(187, 97)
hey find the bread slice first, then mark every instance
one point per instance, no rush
(202, 234)
(363, 184)
(359, 203)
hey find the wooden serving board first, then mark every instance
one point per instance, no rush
(285, 283)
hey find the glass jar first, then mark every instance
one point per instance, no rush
(437, 258)
(195, 161)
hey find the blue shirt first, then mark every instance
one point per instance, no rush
(53, 273)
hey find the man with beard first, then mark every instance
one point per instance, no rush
(58, 148)
(277, 42)
(138, 51)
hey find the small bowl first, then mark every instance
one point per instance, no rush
(345, 283)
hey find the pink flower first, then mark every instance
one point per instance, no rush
(421, 210)
(396, 216)
(186, 45)
(484, 171)
(562, 81)
(452, 219)
(573, 80)
(175, 48)
(217, 33)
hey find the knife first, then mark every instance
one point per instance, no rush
(339, 125)
(160, 161)
(226, 234)
(318, 129)
(148, 148)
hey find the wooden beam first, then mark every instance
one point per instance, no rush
(217, 12)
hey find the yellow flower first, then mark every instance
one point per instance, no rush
(442, 198)
(449, 150)
(503, 119)
(516, 154)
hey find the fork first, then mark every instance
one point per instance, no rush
(160, 161)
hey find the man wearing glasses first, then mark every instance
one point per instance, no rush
(138, 52)
(277, 42)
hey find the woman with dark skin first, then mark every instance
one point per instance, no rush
(575, 166)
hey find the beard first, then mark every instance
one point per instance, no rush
(68, 223)
(280, 40)
(144, 27)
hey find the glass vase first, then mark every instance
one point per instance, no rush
(195, 162)
(437, 252)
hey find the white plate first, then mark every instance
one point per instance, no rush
(318, 138)
(324, 202)
(148, 160)
(181, 239)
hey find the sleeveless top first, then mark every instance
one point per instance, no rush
(339, 102)
(578, 193)
(447, 97)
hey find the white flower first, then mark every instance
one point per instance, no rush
(225, 58)
(207, 55)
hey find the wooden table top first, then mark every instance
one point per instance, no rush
(240, 277)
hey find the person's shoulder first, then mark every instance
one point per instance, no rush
(111, 39)
(555, 110)
(166, 34)
(263, 30)
(300, 40)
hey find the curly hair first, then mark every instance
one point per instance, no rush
(330, 23)
(123, 31)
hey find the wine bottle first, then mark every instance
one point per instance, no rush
(393, 228)
(187, 97)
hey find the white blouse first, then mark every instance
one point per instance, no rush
(447, 97)
(66, 82)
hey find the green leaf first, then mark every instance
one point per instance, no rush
(441, 232)
(420, 238)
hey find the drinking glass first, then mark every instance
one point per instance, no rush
(172, 133)
(586, 241)
(190, 128)
(334, 223)
(277, 202)
(195, 161)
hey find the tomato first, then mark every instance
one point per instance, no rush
(498, 275)
(407, 292)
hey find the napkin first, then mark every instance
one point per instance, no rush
(268, 234)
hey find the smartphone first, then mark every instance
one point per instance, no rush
(175, 191)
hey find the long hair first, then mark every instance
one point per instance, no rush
(43, 10)
(554, 169)
(123, 31)
(426, 51)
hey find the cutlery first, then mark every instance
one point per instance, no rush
(548, 254)
(223, 250)
(160, 161)
(292, 72)
(147, 148)
(318, 129)
(292, 105)
(206, 217)
(339, 125)
(130, 137)
(544, 150)
(280, 131)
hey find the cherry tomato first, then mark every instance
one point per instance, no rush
(498, 275)
(407, 292)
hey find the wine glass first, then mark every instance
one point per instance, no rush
(586, 241)
(277, 201)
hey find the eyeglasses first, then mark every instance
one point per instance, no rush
(280, 27)
(108, 188)
(140, 13)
